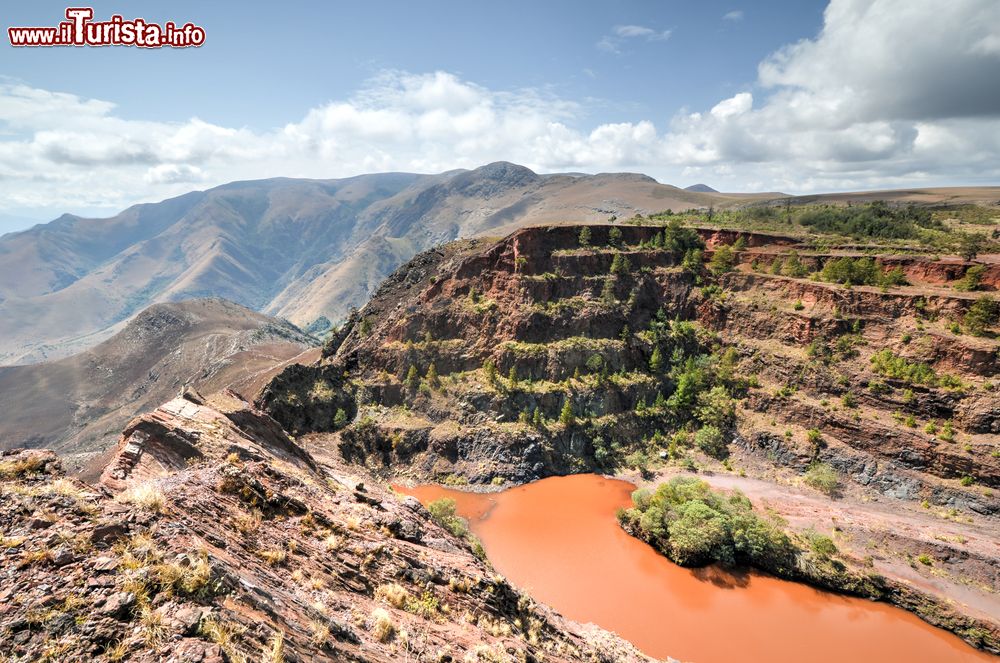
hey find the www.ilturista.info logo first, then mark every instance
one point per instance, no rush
(80, 30)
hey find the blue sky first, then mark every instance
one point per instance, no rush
(797, 96)
(264, 65)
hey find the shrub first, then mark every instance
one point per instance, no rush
(823, 478)
(443, 513)
(710, 440)
(891, 365)
(971, 279)
(340, 418)
(694, 525)
(821, 544)
(584, 237)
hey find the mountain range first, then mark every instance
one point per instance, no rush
(295, 248)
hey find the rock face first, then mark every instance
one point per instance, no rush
(540, 307)
(215, 537)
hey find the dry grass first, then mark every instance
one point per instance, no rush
(190, 579)
(146, 496)
(381, 625)
(393, 594)
(273, 556)
(153, 630)
(332, 543)
(275, 653)
(225, 635)
(15, 469)
(116, 652)
(250, 522)
(320, 634)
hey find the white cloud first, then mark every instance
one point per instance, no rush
(633, 31)
(735, 15)
(612, 43)
(863, 104)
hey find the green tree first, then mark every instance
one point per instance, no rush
(716, 407)
(723, 260)
(656, 361)
(340, 419)
(615, 237)
(512, 375)
(566, 417)
(490, 369)
(981, 316)
(969, 245)
(584, 237)
(619, 265)
(608, 292)
(432, 377)
(692, 260)
(536, 419)
(412, 378)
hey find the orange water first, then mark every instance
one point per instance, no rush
(558, 540)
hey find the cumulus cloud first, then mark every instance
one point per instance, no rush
(889, 93)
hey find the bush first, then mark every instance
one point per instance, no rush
(443, 513)
(710, 440)
(694, 525)
(823, 478)
(584, 237)
(972, 278)
(890, 365)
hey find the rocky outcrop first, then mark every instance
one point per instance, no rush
(215, 537)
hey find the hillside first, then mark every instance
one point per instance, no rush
(299, 249)
(79, 404)
(214, 537)
(655, 349)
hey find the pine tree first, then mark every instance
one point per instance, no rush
(566, 417)
(536, 419)
(412, 378)
(432, 377)
(512, 375)
(608, 292)
(491, 371)
(585, 236)
(340, 419)
(656, 361)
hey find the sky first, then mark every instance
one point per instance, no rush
(797, 96)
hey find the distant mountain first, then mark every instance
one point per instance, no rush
(81, 403)
(700, 188)
(295, 248)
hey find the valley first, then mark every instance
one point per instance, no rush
(804, 397)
